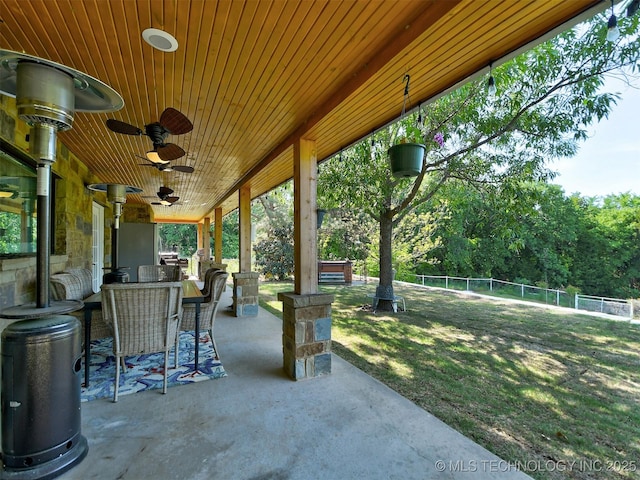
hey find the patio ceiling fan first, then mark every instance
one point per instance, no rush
(166, 199)
(171, 122)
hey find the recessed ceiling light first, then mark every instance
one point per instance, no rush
(160, 40)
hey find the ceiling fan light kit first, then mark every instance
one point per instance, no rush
(153, 157)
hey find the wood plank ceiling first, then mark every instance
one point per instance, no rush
(253, 76)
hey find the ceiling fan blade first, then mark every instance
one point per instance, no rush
(172, 199)
(175, 122)
(122, 127)
(182, 168)
(170, 151)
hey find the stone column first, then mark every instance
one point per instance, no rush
(245, 294)
(306, 334)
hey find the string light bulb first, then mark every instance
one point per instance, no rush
(491, 84)
(613, 32)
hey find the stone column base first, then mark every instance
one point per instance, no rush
(306, 334)
(245, 294)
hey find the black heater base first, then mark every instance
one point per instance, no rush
(116, 276)
(51, 469)
(41, 366)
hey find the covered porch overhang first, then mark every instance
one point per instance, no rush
(256, 77)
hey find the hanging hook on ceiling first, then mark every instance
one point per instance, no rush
(406, 79)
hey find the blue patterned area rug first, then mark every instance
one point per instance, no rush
(145, 372)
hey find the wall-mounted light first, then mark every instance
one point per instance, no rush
(613, 32)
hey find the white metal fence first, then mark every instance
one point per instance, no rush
(611, 306)
(549, 296)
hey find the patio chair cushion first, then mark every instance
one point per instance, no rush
(66, 286)
(86, 280)
(76, 284)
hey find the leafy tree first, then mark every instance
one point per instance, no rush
(230, 236)
(274, 208)
(547, 238)
(546, 99)
(608, 259)
(10, 232)
(181, 237)
(274, 254)
(345, 235)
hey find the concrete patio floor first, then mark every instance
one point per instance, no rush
(258, 424)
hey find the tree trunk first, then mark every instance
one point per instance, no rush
(385, 287)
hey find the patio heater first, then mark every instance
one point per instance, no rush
(41, 353)
(116, 194)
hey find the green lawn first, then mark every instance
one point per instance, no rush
(554, 392)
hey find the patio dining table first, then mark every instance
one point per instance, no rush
(190, 294)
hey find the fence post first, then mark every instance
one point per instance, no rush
(522, 290)
(576, 302)
(467, 284)
(491, 284)
(446, 282)
(557, 298)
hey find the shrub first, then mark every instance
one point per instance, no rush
(274, 255)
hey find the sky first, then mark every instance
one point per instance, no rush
(608, 162)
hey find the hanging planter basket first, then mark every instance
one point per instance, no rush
(405, 159)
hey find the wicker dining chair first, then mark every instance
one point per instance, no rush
(207, 285)
(215, 281)
(159, 273)
(145, 318)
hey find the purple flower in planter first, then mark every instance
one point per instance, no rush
(439, 138)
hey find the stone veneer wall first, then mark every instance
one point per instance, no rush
(72, 219)
(137, 213)
(306, 334)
